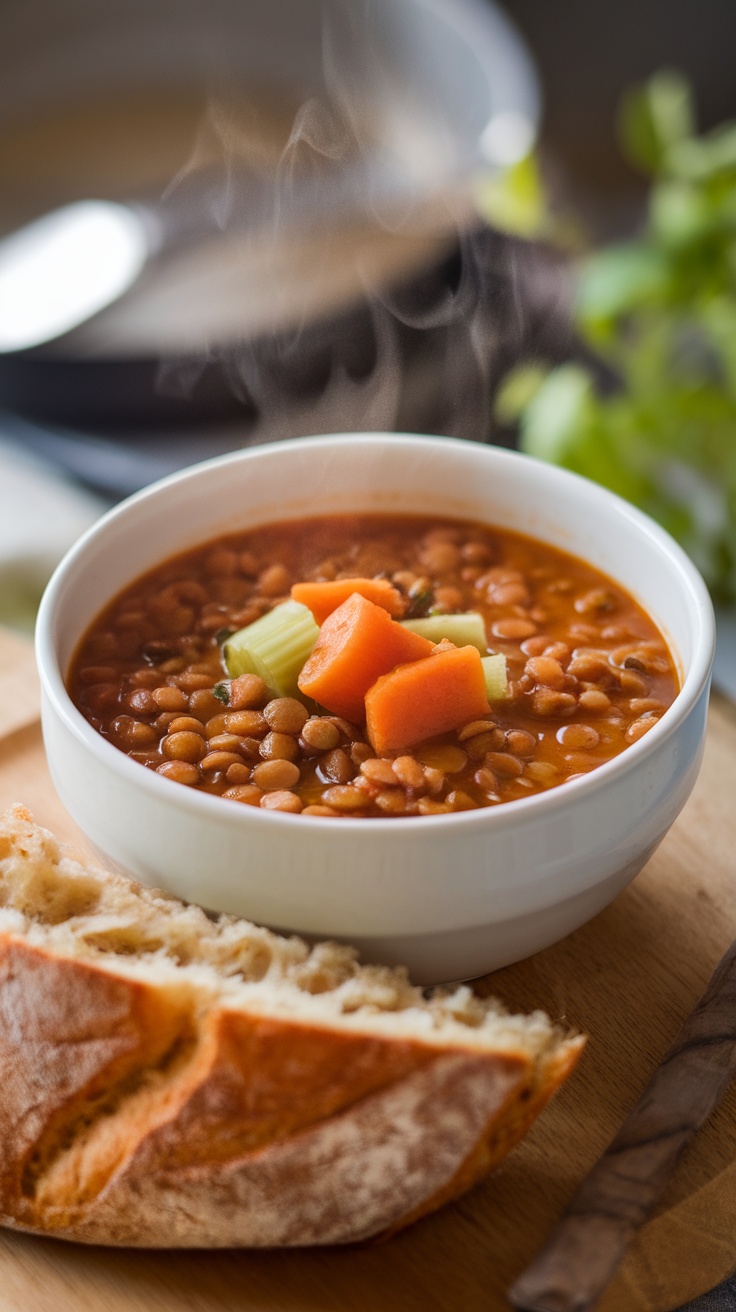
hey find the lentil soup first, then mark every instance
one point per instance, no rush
(588, 671)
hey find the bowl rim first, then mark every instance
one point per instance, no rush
(536, 805)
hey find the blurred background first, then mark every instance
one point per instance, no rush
(322, 215)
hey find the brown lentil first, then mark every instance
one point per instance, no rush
(203, 704)
(632, 684)
(547, 702)
(513, 628)
(485, 779)
(251, 722)
(408, 772)
(449, 599)
(225, 742)
(133, 733)
(439, 557)
(186, 724)
(458, 800)
(446, 759)
(360, 752)
(321, 733)
(247, 692)
(380, 772)
(336, 767)
(215, 726)
(274, 775)
(168, 698)
(286, 715)
(542, 772)
(477, 746)
(163, 720)
(182, 772)
(475, 727)
(221, 761)
(343, 797)
(547, 671)
(534, 646)
(282, 801)
(591, 699)
(428, 806)
(247, 793)
(521, 742)
(274, 581)
(392, 801)
(503, 764)
(278, 747)
(184, 746)
(191, 682)
(637, 730)
(640, 705)
(577, 736)
(434, 778)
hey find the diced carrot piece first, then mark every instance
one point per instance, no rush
(323, 598)
(357, 643)
(424, 698)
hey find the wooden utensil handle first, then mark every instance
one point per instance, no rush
(614, 1200)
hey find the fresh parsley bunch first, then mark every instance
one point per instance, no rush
(660, 312)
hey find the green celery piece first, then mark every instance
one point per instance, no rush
(464, 630)
(276, 647)
(494, 669)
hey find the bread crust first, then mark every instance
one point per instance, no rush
(137, 1111)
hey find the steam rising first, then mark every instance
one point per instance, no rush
(353, 171)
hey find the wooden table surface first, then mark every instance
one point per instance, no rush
(627, 979)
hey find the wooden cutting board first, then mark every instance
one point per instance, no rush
(628, 979)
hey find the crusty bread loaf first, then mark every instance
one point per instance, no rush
(170, 1080)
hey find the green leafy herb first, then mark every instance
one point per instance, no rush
(222, 692)
(420, 603)
(660, 311)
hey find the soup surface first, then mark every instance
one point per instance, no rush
(588, 671)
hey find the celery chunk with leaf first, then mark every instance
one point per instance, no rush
(275, 647)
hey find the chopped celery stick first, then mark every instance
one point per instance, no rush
(464, 630)
(276, 646)
(494, 668)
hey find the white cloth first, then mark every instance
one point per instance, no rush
(41, 514)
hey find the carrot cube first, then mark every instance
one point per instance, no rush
(427, 697)
(323, 598)
(357, 643)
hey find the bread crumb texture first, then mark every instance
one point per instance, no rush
(170, 1079)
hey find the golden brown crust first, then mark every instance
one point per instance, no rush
(136, 1108)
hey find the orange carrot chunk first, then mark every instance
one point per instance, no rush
(430, 696)
(323, 598)
(357, 643)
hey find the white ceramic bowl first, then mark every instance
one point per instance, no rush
(454, 895)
